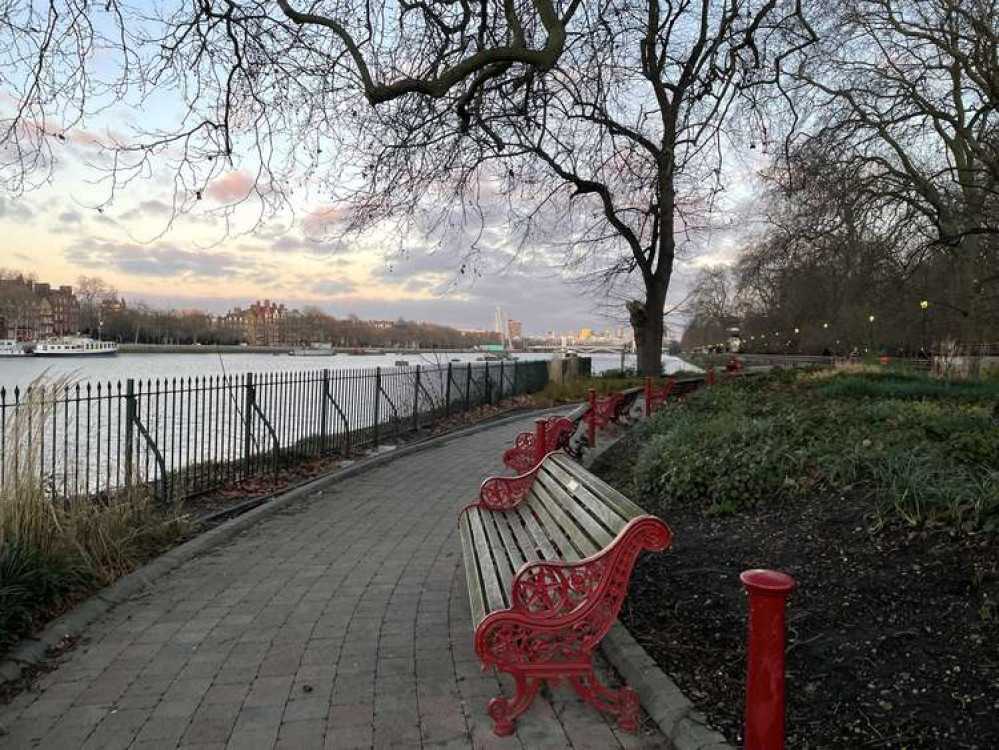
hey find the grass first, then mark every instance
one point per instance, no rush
(608, 382)
(925, 451)
(55, 550)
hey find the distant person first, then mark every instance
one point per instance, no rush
(826, 352)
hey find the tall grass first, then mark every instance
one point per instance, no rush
(55, 549)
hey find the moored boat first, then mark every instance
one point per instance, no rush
(11, 348)
(75, 346)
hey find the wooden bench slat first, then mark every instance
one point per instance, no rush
(536, 537)
(575, 511)
(476, 591)
(513, 551)
(598, 487)
(535, 547)
(579, 544)
(495, 598)
(501, 555)
(586, 503)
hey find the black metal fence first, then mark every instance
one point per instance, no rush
(187, 436)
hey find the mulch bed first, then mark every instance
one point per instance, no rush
(893, 636)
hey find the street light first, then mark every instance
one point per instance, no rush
(870, 321)
(924, 305)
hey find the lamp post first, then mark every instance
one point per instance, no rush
(870, 331)
(924, 305)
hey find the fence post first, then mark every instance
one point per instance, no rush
(447, 393)
(501, 381)
(591, 424)
(378, 398)
(130, 412)
(768, 590)
(489, 387)
(249, 403)
(324, 414)
(468, 388)
(648, 396)
(416, 401)
(540, 439)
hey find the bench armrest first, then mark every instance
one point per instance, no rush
(548, 589)
(504, 493)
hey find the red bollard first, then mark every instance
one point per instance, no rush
(540, 439)
(711, 375)
(591, 426)
(768, 590)
(648, 396)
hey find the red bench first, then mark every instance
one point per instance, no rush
(548, 556)
(655, 396)
(550, 434)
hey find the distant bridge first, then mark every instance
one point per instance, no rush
(586, 348)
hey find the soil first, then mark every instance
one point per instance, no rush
(893, 637)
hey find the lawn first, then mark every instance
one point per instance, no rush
(879, 492)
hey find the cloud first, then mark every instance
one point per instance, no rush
(230, 187)
(319, 220)
(161, 261)
(151, 207)
(14, 209)
(333, 287)
(70, 217)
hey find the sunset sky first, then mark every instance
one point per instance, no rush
(57, 232)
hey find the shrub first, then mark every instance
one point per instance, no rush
(928, 461)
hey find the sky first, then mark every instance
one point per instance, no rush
(62, 229)
(57, 232)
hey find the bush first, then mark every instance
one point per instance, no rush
(926, 453)
(55, 549)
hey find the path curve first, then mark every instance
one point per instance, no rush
(340, 621)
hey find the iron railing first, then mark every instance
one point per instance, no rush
(183, 437)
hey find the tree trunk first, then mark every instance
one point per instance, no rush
(647, 323)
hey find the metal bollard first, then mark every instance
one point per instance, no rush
(768, 590)
(540, 439)
(591, 426)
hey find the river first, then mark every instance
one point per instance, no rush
(20, 371)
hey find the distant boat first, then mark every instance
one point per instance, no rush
(75, 346)
(401, 363)
(11, 348)
(315, 350)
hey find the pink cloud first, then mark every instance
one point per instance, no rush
(318, 220)
(230, 187)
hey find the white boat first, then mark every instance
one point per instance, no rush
(11, 348)
(75, 346)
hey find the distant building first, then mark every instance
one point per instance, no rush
(265, 323)
(30, 310)
(515, 329)
(585, 334)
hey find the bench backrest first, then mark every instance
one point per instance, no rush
(579, 513)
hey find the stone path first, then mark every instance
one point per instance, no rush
(341, 621)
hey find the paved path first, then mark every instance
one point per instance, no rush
(341, 621)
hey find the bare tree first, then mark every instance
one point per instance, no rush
(905, 95)
(601, 122)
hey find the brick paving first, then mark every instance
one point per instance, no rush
(341, 621)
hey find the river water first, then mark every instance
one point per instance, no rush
(20, 371)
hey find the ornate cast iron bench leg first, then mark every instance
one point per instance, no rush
(560, 612)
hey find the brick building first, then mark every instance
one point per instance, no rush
(31, 310)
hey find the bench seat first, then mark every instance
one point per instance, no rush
(548, 555)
